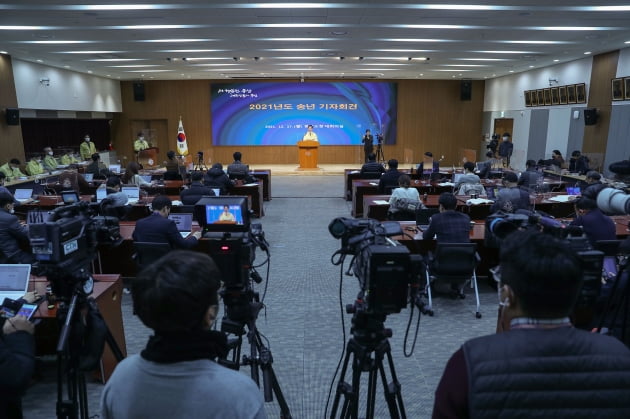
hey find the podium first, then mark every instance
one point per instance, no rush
(148, 157)
(307, 153)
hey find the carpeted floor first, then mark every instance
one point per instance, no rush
(302, 320)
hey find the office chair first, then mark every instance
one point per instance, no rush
(453, 263)
(390, 189)
(184, 209)
(145, 253)
(172, 176)
(370, 175)
(423, 215)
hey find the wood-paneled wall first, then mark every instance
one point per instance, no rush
(431, 117)
(599, 96)
(11, 142)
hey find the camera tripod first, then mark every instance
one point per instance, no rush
(71, 359)
(199, 165)
(242, 308)
(618, 300)
(379, 152)
(368, 346)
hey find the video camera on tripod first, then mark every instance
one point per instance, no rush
(385, 269)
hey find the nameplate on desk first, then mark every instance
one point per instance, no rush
(373, 183)
(381, 202)
(250, 184)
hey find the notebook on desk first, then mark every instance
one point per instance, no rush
(23, 195)
(183, 221)
(14, 280)
(133, 194)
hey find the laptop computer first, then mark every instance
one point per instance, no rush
(14, 280)
(573, 190)
(114, 168)
(23, 195)
(88, 177)
(183, 221)
(133, 194)
(69, 197)
(146, 178)
(101, 193)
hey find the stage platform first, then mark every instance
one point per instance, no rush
(293, 169)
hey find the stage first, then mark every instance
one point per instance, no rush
(293, 169)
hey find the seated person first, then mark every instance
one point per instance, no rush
(533, 368)
(172, 167)
(17, 363)
(217, 179)
(595, 224)
(177, 297)
(372, 166)
(594, 185)
(449, 225)
(12, 170)
(114, 194)
(238, 170)
(35, 167)
(486, 166)
(404, 201)
(98, 169)
(12, 233)
(132, 175)
(511, 197)
(50, 162)
(158, 228)
(531, 179)
(428, 164)
(68, 159)
(469, 183)
(578, 163)
(196, 190)
(2, 188)
(556, 162)
(389, 179)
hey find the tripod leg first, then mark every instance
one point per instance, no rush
(393, 393)
(342, 387)
(371, 395)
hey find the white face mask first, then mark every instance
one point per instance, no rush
(11, 210)
(505, 138)
(141, 138)
(50, 153)
(87, 139)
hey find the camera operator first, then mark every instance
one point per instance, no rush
(12, 233)
(595, 224)
(175, 375)
(17, 364)
(541, 366)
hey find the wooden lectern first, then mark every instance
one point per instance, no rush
(148, 157)
(307, 153)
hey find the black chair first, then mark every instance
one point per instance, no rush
(184, 209)
(145, 253)
(401, 215)
(390, 189)
(453, 263)
(423, 215)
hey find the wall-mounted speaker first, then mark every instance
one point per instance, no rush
(138, 91)
(13, 116)
(590, 116)
(465, 90)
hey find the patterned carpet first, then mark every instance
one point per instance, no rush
(302, 320)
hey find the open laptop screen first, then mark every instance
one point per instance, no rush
(132, 192)
(22, 194)
(69, 197)
(14, 280)
(114, 168)
(183, 221)
(457, 177)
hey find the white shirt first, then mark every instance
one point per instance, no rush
(310, 135)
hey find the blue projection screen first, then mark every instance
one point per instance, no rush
(278, 113)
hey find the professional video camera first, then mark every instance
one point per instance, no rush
(66, 243)
(613, 201)
(385, 269)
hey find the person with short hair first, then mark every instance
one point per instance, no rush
(68, 159)
(469, 182)
(117, 197)
(158, 228)
(12, 170)
(511, 197)
(578, 163)
(226, 215)
(368, 144)
(176, 375)
(428, 164)
(87, 148)
(449, 225)
(506, 148)
(140, 143)
(196, 190)
(12, 233)
(310, 134)
(98, 169)
(372, 166)
(389, 179)
(486, 166)
(217, 179)
(595, 224)
(2, 188)
(540, 366)
(530, 178)
(50, 162)
(239, 170)
(172, 167)
(35, 167)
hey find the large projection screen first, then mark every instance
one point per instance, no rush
(278, 113)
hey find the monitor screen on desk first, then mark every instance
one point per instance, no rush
(223, 213)
(457, 177)
(114, 168)
(69, 197)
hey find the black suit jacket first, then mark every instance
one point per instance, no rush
(194, 193)
(372, 167)
(157, 229)
(388, 179)
(11, 234)
(435, 168)
(449, 227)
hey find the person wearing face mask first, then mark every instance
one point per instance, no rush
(505, 149)
(50, 162)
(140, 143)
(12, 233)
(87, 148)
(35, 167)
(68, 159)
(12, 170)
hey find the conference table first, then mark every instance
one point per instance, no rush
(108, 291)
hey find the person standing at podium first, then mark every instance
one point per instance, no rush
(140, 143)
(368, 144)
(310, 135)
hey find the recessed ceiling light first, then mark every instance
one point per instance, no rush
(90, 71)
(556, 60)
(40, 61)
(587, 53)
(511, 71)
(66, 66)
(3, 52)
(338, 33)
(531, 66)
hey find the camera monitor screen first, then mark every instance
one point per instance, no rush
(69, 197)
(223, 213)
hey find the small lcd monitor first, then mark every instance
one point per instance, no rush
(573, 190)
(114, 168)
(223, 213)
(146, 178)
(69, 197)
(89, 177)
(457, 177)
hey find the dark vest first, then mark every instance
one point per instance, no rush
(548, 373)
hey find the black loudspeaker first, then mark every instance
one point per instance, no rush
(465, 90)
(138, 91)
(590, 116)
(13, 116)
